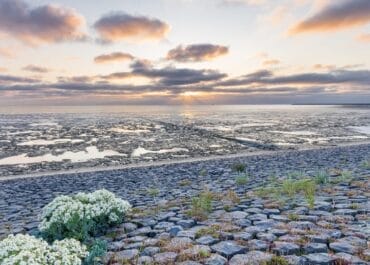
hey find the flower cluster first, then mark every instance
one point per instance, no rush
(81, 215)
(28, 250)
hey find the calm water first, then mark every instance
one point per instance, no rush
(35, 139)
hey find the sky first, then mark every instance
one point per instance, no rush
(68, 52)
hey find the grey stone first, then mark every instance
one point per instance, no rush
(186, 223)
(207, 240)
(345, 212)
(296, 260)
(269, 237)
(285, 248)
(251, 258)
(301, 225)
(150, 251)
(320, 259)
(348, 258)
(228, 248)
(256, 244)
(243, 236)
(216, 259)
(126, 255)
(342, 246)
(165, 257)
(315, 248)
(174, 230)
(144, 260)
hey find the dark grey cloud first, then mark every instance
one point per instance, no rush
(121, 26)
(168, 76)
(336, 16)
(42, 24)
(35, 69)
(173, 81)
(113, 57)
(333, 77)
(16, 79)
(196, 52)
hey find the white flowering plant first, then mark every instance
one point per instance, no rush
(82, 215)
(29, 250)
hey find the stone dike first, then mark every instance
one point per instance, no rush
(258, 209)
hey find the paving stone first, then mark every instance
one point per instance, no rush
(186, 223)
(342, 258)
(174, 230)
(242, 236)
(165, 257)
(256, 244)
(315, 248)
(343, 247)
(216, 259)
(228, 248)
(126, 255)
(285, 248)
(320, 259)
(269, 237)
(144, 260)
(150, 251)
(251, 258)
(296, 260)
(207, 240)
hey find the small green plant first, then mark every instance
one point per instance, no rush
(201, 206)
(185, 182)
(203, 254)
(296, 174)
(238, 167)
(266, 192)
(213, 230)
(346, 176)
(305, 186)
(153, 192)
(96, 252)
(293, 217)
(321, 177)
(366, 164)
(276, 260)
(232, 197)
(309, 188)
(203, 173)
(273, 179)
(241, 180)
(289, 187)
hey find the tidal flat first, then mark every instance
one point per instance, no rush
(71, 139)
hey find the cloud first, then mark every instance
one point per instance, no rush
(364, 38)
(175, 76)
(168, 76)
(3, 69)
(196, 52)
(7, 52)
(271, 62)
(121, 26)
(113, 57)
(345, 14)
(16, 79)
(35, 69)
(245, 2)
(168, 84)
(42, 24)
(333, 77)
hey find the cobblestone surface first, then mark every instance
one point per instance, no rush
(244, 225)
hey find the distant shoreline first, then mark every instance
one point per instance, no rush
(171, 162)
